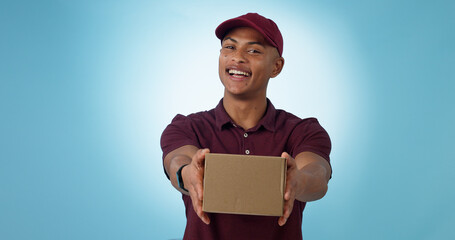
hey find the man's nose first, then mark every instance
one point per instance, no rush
(239, 57)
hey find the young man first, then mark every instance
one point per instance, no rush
(245, 122)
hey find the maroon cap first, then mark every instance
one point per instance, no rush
(265, 26)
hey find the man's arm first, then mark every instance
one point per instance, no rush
(306, 180)
(192, 174)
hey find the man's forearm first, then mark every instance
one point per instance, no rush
(313, 176)
(176, 163)
(176, 159)
(313, 183)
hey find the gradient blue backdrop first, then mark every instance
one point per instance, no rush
(88, 86)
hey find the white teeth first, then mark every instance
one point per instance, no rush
(232, 71)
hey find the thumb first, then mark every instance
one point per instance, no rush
(290, 162)
(199, 157)
(285, 155)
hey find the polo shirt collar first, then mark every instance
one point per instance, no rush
(268, 121)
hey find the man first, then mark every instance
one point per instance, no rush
(245, 122)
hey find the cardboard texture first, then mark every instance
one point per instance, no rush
(244, 184)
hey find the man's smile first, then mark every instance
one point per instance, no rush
(237, 72)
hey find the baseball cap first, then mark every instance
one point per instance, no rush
(265, 26)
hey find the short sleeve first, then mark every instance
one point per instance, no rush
(177, 134)
(310, 136)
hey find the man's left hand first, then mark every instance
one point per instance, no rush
(292, 185)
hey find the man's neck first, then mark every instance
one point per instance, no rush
(245, 113)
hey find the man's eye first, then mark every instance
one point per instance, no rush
(229, 47)
(253, 51)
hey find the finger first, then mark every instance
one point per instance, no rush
(198, 159)
(197, 206)
(200, 155)
(290, 188)
(285, 216)
(205, 150)
(196, 182)
(288, 209)
(290, 184)
(285, 155)
(287, 194)
(288, 206)
(198, 175)
(283, 219)
(199, 191)
(194, 201)
(205, 218)
(290, 161)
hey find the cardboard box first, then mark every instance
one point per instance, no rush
(244, 184)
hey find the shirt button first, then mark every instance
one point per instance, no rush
(245, 134)
(247, 151)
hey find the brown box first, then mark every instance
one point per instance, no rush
(244, 184)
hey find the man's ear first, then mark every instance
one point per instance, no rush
(277, 67)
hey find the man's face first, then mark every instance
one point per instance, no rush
(247, 62)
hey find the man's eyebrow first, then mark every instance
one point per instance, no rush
(258, 43)
(229, 38)
(249, 43)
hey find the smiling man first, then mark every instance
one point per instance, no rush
(246, 122)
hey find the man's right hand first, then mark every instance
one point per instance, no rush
(193, 175)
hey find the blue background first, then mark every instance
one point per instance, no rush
(88, 86)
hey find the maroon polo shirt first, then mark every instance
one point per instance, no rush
(278, 131)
